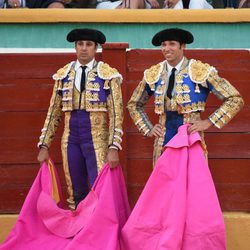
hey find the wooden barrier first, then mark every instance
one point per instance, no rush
(25, 90)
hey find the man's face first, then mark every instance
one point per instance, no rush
(85, 51)
(172, 51)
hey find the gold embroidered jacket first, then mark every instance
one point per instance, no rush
(102, 94)
(194, 81)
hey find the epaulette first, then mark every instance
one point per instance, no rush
(152, 75)
(106, 72)
(62, 72)
(199, 71)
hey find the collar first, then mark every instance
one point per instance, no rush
(89, 65)
(178, 66)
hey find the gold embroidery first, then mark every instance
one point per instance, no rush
(64, 145)
(178, 88)
(160, 99)
(182, 88)
(76, 99)
(191, 117)
(92, 96)
(106, 72)
(72, 75)
(179, 99)
(158, 143)
(159, 89)
(152, 87)
(152, 74)
(53, 117)
(62, 72)
(219, 124)
(67, 104)
(106, 84)
(197, 89)
(187, 98)
(115, 112)
(67, 95)
(173, 104)
(199, 106)
(99, 131)
(102, 106)
(179, 78)
(91, 76)
(93, 86)
(136, 104)
(185, 88)
(198, 71)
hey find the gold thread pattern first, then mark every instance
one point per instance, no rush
(105, 72)
(158, 143)
(64, 149)
(99, 131)
(115, 111)
(152, 74)
(62, 72)
(53, 117)
(198, 71)
(136, 107)
(233, 102)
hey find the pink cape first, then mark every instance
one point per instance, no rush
(95, 225)
(178, 208)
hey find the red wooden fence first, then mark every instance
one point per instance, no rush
(25, 89)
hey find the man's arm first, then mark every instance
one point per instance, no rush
(232, 104)
(51, 123)
(115, 110)
(233, 101)
(135, 106)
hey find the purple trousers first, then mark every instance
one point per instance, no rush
(81, 157)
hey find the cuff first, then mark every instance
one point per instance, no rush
(219, 119)
(40, 145)
(114, 147)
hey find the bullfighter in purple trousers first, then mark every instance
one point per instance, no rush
(89, 95)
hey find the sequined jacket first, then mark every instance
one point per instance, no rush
(194, 81)
(102, 94)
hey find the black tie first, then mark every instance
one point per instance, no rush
(171, 83)
(83, 78)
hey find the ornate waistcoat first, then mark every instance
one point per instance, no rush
(194, 81)
(97, 86)
(102, 94)
(191, 90)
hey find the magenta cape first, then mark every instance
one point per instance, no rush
(95, 225)
(178, 208)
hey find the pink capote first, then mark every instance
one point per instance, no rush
(95, 225)
(178, 208)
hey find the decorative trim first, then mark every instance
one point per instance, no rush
(62, 73)
(198, 71)
(119, 130)
(118, 137)
(105, 72)
(152, 75)
(118, 145)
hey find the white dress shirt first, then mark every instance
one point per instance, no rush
(78, 70)
(169, 69)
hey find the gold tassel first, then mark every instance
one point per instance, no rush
(197, 89)
(106, 84)
(153, 87)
